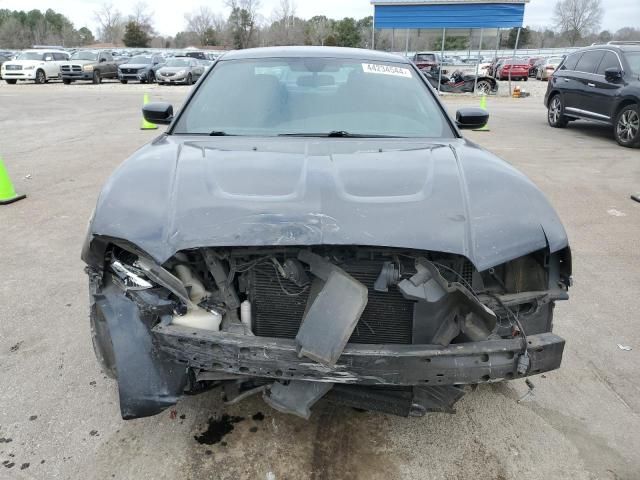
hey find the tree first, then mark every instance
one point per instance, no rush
(242, 21)
(201, 22)
(523, 41)
(286, 28)
(318, 29)
(185, 39)
(451, 43)
(111, 24)
(627, 33)
(85, 36)
(347, 33)
(577, 18)
(135, 36)
(143, 18)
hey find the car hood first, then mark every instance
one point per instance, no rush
(24, 63)
(135, 65)
(183, 192)
(173, 69)
(80, 62)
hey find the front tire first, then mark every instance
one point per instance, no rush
(124, 82)
(555, 112)
(97, 78)
(627, 126)
(189, 80)
(11, 82)
(66, 81)
(483, 87)
(151, 77)
(40, 77)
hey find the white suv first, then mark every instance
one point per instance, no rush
(36, 65)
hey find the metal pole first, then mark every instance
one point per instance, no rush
(373, 30)
(513, 58)
(406, 43)
(475, 84)
(393, 39)
(444, 31)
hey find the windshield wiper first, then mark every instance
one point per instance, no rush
(339, 134)
(220, 133)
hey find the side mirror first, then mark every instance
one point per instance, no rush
(471, 118)
(612, 74)
(103, 60)
(158, 112)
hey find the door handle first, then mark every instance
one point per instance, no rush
(591, 84)
(566, 79)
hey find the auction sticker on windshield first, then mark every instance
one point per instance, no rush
(386, 70)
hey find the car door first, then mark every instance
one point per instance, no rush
(585, 77)
(601, 92)
(565, 79)
(51, 66)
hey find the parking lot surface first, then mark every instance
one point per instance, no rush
(59, 415)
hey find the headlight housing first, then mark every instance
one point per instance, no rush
(29, 67)
(88, 68)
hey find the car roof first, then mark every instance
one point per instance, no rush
(317, 52)
(611, 46)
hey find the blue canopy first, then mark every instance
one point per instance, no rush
(430, 15)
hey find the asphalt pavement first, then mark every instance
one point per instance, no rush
(59, 415)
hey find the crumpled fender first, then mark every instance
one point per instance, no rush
(148, 382)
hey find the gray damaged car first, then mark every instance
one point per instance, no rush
(313, 225)
(184, 70)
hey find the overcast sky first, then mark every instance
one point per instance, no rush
(169, 15)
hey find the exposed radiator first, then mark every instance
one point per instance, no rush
(388, 317)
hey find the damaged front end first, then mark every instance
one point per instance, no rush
(394, 330)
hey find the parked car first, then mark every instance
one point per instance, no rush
(546, 68)
(199, 55)
(141, 68)
(517, 69)
(602, 84)
(426, 60)
(184, 70)
(329, 185)
(3, 58)
(37, 65)
(460, 82)
(207, 64)
(93, 65)
(533, 63)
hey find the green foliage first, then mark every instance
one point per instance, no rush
(451, 43)
(523, 41)
(20, 29)
(86, 36)
(241, 25)
(347, 33)
(135, 35)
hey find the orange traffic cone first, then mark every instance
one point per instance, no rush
(7, 192)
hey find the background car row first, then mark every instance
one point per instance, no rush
(42, 65)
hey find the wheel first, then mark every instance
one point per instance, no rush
(189, 79)
(66, 81)
(161, 83)
(152, 77)
(40, 77)
(124, 82)
(525, 78)
(483, 87)
(102, 345)
(11, 82)
(555, 112)
(97, 78)
(627, 126)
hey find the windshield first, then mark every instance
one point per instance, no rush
(85, 56)
(30, 56)
(315, 97)
(177, 62)
(634, 61)
(425, 57)
(140, 59)
(555, 61)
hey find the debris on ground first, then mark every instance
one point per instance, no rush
(626, 348)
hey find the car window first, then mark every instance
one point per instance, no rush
(298, 96)
(59, 56)
(571, 61)
(589, 61)
(108, 56)
(610, 60)
(633, 59)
